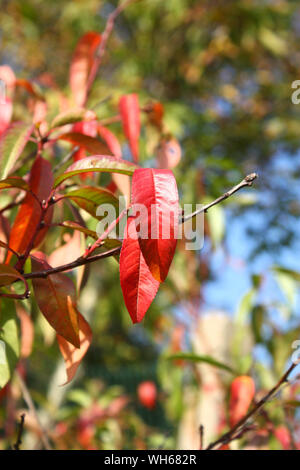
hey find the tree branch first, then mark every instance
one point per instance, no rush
(29, 402)
(78, 262)
(237, 429)
(16, 446)
(247, 181)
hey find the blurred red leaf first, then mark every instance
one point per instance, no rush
(242, 392)
(155, 112)
(82, 61)
(56, 298)
(91, 144)
(72, 355)
(130, 115)
(137, 283)
(27, 331)
(147, 394)
(156, 190)
(28, 217)
(6, 109)
(111, 141)
(8, 76)
(168, 153)
(283, 435)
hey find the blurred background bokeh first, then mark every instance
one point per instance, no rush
(223, 71)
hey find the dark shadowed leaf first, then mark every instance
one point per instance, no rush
(56, 298)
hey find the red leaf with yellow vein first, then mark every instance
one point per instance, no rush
(82, 62)
(130, 115)
(56, 298)
(72, 355)
(28, 217)
(157, 225)
(137, 283)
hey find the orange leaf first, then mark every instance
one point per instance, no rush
(82, 61)
(28, 217)
(242, 392)
(72, 355)
(27, 331)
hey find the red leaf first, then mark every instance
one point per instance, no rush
(8, 76)
(82, 61)
(147, 394)
(130, 114)
(72, 355)
(242, 392)
(137, 283)
(111, 141)
(283, 435)
(27, 331)
(6, 110)
(156, 190)
(56, 298)
(91, 144)
(88, 128)
(28, 217)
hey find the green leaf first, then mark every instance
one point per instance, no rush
(195, 358)
(71, 116)
(14, 182)
(9, 342)
(80, 228)
(288, 286)
(12, 145)
(90, 197)
(294, 274)
(97, 163)
(216, 220)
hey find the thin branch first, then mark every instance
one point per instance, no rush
(78, 262)
(100, 240)
(16, 446)
(102, 46)
(66, 159)
(230, 435)
(201, 434)
(29, 402)
(247, 181)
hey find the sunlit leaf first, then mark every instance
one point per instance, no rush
(9, 340)
(12, 144)
(97, 163)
